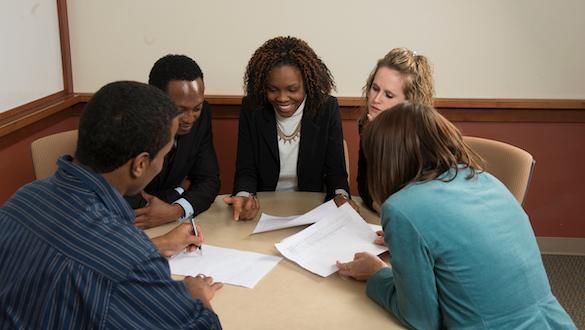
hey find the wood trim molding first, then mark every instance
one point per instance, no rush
(36, 110)
(482, 110)
(445, 103)
(15, 112)
(524, 104)
(227, 107)
(84, 97)
(552, 115)
(224, 99)
(458, 110)
(41, 109)
(65, 46)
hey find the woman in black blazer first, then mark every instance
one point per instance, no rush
(401, 75)
(290, 135)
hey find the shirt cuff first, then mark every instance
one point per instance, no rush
(180, 190)
(187, 209)
(243, 194)
(341, 192)
(378, 280)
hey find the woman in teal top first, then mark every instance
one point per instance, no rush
(464, 255)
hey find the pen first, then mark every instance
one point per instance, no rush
(192, 218)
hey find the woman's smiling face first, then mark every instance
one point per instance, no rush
(285, 89)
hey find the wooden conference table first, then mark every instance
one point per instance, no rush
(288, 297)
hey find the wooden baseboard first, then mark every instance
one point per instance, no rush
(561, 245)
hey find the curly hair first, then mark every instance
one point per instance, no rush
(419, 86)
(173, 67)
(278, 51)
(122, 120)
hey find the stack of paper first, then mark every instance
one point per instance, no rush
(338, 236)
(224, 265)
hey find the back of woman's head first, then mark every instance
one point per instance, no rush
(410, 143)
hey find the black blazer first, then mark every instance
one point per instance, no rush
(362, 174)
(193, 157)
(321, 161)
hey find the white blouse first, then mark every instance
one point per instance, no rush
(289, 136)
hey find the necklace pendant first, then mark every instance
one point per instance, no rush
(288, 138)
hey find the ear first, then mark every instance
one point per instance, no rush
(139, 164)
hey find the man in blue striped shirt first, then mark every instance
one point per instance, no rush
(70, 255)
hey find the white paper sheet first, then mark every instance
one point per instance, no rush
(375, 228)
(270, 222)
(229, 266)
(338, 236)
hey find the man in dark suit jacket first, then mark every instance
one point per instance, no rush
(189, 180)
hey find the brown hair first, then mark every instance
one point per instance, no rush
(279, 51)
(412, 143)
(419, 86)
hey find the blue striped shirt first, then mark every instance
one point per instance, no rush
(71, 258)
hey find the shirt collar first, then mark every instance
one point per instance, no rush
(88, 179)
(296, 117)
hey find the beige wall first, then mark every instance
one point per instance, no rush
(30, 52)
(480, 49)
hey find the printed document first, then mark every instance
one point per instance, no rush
(338, 236)
(229, 266)
(270, 222)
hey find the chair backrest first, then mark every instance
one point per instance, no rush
(511, 165)
(346, 155)
(46, 151)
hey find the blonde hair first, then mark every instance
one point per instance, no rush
(419, 86)
(412, 143)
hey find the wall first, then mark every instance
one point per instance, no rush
(556, 193)
(480, 49)
(16, 168)
(555, 196)
(29, 28)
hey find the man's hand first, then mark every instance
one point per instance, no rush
(245, 208)
(156, 212)
(363, 266)
(339, 200)
(202, 288)
(179, 239)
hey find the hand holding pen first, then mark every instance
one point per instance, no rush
(196, 231)
(184, 236)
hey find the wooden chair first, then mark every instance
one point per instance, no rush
(511, 165)
(46, 151)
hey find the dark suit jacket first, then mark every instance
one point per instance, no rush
(362, 180)
(321, 161)
(194, 157)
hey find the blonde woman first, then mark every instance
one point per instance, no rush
(401, 75)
